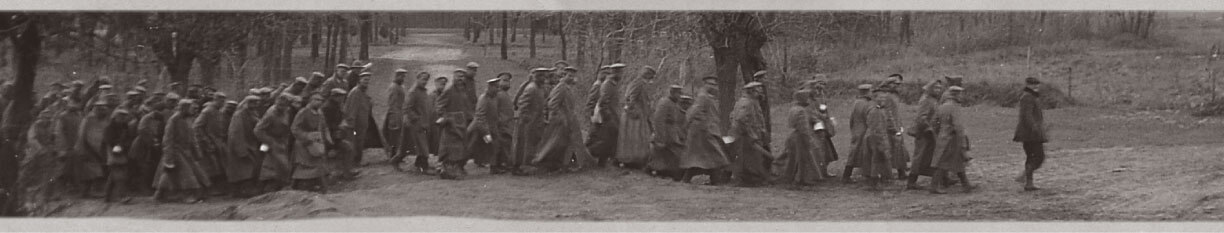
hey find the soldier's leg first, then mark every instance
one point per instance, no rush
(965, 181)
(938, 181)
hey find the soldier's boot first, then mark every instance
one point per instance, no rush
(938, 181)
(912, 182)
(396, 160)
(110, 191)
(846, 173)
(967, 187)
(159, 195)
(901, 174)
(1028, 181)
(825, 167)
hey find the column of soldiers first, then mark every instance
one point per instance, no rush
(189, 143)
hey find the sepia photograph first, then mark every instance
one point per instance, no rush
(434, 117)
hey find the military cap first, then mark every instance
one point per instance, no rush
(956, 88)
(231, 102)
(541, 69)
(676, 87)
(759, 73)
(104, 87)
(301, 79)
(220, 94)
(710, 80)
(473, 65)
(342, 66)
(316, 74)
(753, 84)
(363, 74)
(616, 66)
(140, 89)
(339, 91)
(1031, 80)
(864, 87)
(460, 70)
(571, 68)
(401, 70)
(493, 81)
(133, 93)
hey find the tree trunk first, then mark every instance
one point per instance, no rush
(342, 55)
(618, 39)
(315, 28)
(489, 20)
(561, 33)
(26, 51)
(331, 47)
(286, 65)
(209, 68)
(365, 36)
(514, 25)
(532, 36)
(906, 32)
(504, 55)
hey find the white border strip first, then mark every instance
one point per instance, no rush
(604, 5)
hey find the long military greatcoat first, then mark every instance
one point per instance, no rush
(452, 142)
(801, 164)
(950, 140)
(273, 130)
(91, 156)
(67, 128)
(309, 148)
(900, 156)
(210, 135)
(486, 121)
(602, 143)
(858, 128)
(393, 121)
(178, 169)
(667, 140)
(924, 134)
(633, 140)
(874, 158)
(244, 159)
(748, 150)
(562, 134)
(528, 130)
(704, 136)
(146, 151)
(417, 119)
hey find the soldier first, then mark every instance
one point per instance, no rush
(560, 148)
(924, 134)
(337, 80)
(1031, 131)
(530, 116)
(146, 150)
(592, 95)
(393, 121)
(67, 127)
(315, 83)
(666, 138)
(178, 170)
(874, 150)
(309, 149)
(298, 87)
(244, 158)
(40, 165)
(227, 112)
(417, 109)
(748, 138)
(825, 127)
(704, 153)
(633, 148)
(951, 144)
(801, 165)
(452, 123)
(117, 141)
(87, 166)
(338, 162)
(210, 130)
(469, 74)
(435, 135)
(358, 112)
(890, 92)
(499, 162)
(273, 131)
(354, 74)
(482, 144)
(606, 118)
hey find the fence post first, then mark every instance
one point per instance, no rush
(1069, 85)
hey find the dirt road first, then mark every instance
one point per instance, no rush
(1104, 165)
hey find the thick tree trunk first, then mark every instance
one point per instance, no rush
(209, 68)
(365, 36)
(726, 63)
(330, 60)
(504, 55)
(489, 20)
(906, 32)
(26, 50)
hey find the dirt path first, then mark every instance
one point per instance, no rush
(1104, 165)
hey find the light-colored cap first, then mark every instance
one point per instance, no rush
(616, 66)
(339, 91)
(759, 73)
(864, 87)
(956, 88)
(753, 84)
(473, 65)
(401, 71)
(301, 79)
